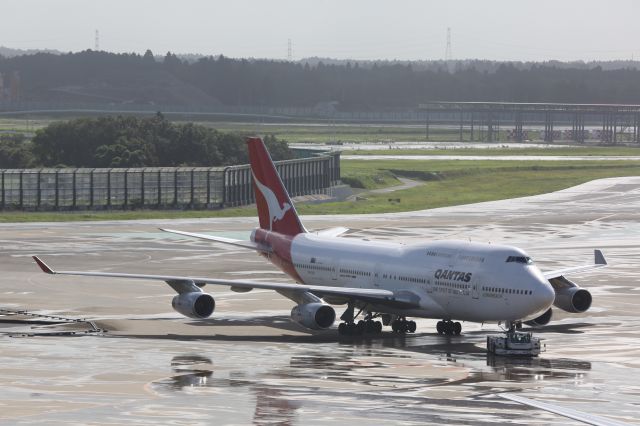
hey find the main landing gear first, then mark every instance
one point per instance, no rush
(360, 328)
(365, 326)
(449, 328)
(402, 326)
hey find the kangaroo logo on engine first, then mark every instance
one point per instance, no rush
(445, 274)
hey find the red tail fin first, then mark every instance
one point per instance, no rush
(275, 209)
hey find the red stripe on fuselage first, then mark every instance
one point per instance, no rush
(281, 251)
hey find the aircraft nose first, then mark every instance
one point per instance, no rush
(544, 294)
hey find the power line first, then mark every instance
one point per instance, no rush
(289, 51)
(97, 42)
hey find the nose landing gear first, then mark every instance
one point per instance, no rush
(449, 328)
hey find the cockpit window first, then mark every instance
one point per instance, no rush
(520, 259)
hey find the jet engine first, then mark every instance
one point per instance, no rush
(569, 296)
(316, 316)
(194, 305)
(573, 299)
(541, 320)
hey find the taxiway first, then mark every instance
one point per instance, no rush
(250, 364)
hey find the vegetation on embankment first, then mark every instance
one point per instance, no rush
(446, 183)
(574, 151)
(456, 182)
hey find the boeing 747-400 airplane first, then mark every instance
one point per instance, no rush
(446, 280)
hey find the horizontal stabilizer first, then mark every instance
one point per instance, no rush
(332, 232)
(238, 243)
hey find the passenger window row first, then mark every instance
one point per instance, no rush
(314, 267)
(453, 285)
(355, 272)
(507, 290)
(413, 280)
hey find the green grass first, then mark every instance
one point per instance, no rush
(10, 216)
(464, 182)
(367, 178)
(592, 151)
(447, 182)
(350, 133)
(322, 132)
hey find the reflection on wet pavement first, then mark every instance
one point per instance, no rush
(421, 385)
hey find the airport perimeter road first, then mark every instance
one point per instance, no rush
(250, 364)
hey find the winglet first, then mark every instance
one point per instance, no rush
(43, 266)
(599, 257)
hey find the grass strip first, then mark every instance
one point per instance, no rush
(446, 183)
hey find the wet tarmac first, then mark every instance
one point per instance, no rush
(250, 364)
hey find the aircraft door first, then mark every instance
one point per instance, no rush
(475, 293)
(377, 275)
(335, 266)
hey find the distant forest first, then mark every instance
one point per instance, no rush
(91, 77)
(129, 142)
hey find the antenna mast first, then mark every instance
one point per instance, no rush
(447, 53)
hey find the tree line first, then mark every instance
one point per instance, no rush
(102, 77)
(129, 142)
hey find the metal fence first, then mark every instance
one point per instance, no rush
(179, 188)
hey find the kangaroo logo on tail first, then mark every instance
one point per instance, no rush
(275, 211)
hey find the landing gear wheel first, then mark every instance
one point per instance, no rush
(457, 328)
(352, 329)
(342, 329)
(360, 328)
(373, 327)
(449, 328)
(402, 326)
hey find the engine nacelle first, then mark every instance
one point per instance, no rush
(194, 305)
(541, 320)
(316, 316)
(573, 299)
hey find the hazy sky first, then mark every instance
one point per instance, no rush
(358, 29)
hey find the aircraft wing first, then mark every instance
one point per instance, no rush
(238, 243)
(600, 262)
(366, 295)
(332, 232)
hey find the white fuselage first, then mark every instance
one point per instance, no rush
(452, 279)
